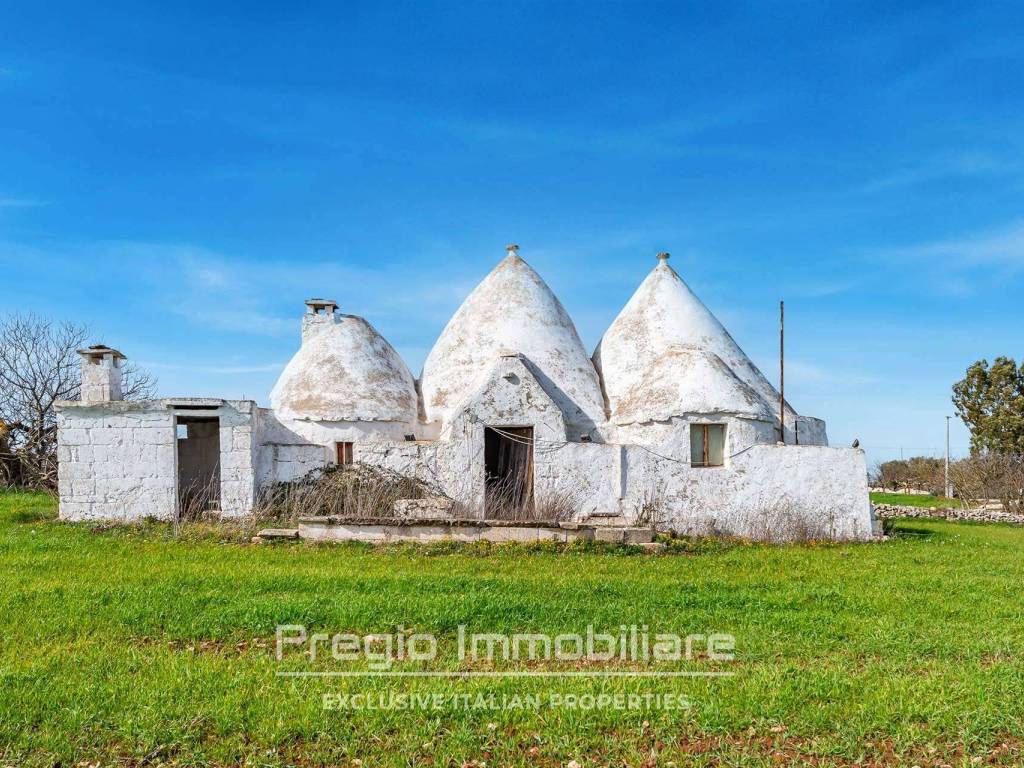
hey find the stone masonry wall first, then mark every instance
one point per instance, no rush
(116, 462)
(237, 457)
(983, 515)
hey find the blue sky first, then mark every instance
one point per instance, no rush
(182, 178)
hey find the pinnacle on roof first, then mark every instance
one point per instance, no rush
(664, 325)
(511, 310)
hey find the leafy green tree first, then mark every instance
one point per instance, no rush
(990, 400)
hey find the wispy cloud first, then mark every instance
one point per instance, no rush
(19, 202)
(683, 135)
(819, 289)
(953, 267)
(1003, 247)
(803, 372)
(214, 369)
(954, 165)
(220, 292)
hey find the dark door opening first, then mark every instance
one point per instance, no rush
(508, 472)
(198, 466)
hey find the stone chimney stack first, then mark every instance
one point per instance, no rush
(101, 374)
(319, 314)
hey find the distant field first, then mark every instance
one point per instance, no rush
(129, 647)
(913, 500)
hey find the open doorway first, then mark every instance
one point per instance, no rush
(198, 466)
(508, 472)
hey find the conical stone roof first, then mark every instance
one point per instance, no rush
(345, 371)
(666, 355)
(512, 311)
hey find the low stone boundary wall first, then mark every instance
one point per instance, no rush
(426, 530)
(888, 511)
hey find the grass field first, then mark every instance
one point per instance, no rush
(131, 647)
(913, 500)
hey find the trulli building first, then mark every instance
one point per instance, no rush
(668, 419)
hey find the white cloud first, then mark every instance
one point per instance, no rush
(675, 136)
(1003, 247)
(238, 295)
(962, 164)
(801, 372)
(818, 289)
(214, 369)
(19, 202)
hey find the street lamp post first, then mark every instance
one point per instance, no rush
(949, 491)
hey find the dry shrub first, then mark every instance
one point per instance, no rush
(199, 500)
(554, 507)
(987, 476)
(652, 512)
(353, 491)
(505, 500)
(780, 519)
(784, 520)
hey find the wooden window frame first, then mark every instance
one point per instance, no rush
(343, 453)
(704, 462)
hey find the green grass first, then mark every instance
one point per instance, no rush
(127, 646)
(913, 500)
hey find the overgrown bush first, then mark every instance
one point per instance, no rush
(354, 491)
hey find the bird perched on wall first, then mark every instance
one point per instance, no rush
(856, 443)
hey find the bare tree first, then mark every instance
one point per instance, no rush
(918, 473)
(38, 367)
(986, 476)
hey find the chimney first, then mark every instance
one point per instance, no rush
(319, 314)
(101, 374)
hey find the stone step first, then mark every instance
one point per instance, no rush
(624, 535)
(652, 547)
(607, 520)
(269, 534)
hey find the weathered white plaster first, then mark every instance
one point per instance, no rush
(118, 460)
(510, 357)
(666, 355)
(512, 311)
(344, 371)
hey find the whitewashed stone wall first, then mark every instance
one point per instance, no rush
(767, 492)
(764, 490)
(806, 430)
(771, 492)
(672, 438)
(237, 457)
(291, 448)
(117, 461)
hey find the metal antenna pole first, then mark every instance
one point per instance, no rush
(782, 371)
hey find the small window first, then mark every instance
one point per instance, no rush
(344, 453)
(707, 445)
